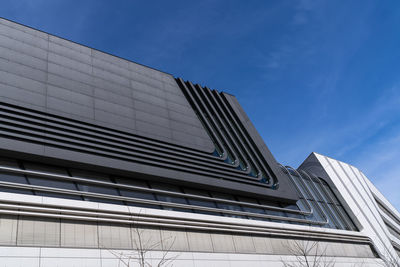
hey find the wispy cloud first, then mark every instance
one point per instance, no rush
(381, 164)
(363, 145)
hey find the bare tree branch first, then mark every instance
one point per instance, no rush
(307, 253)
(141, 246)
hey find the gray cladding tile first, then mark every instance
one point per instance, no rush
(150, 99)
(69, 84)
(168, 81)
(148, 89)
(112, 87)
(22, 95)
(151, 109)
(182, 137)
(70, 63)
(111, 59)
(71, 80)
(70, 96)
(183, 118)
(69, 53)
(68, 107)
(23, 28)
(153, 119)
(24, 48)
(70, 73)
(177, 97)
(71, 45)
(128, 124)
(150, 73)
(203, 142)
(172, 88)
(106, 75)
(189, 129)
(114, 108)
(22, 70)
(146, 80)
(153, 129)
(23, 37)
(22, 82)
(113, 97)
(183, 108)
(107, 66)
(23, 59)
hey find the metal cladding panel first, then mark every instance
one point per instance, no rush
(67, 104)
(51, 74)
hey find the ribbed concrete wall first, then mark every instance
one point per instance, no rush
(45, 232)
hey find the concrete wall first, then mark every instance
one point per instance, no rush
(33, 241)
(46, 232)
(66, 257)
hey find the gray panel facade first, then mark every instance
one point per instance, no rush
(47, 73)
(68, 104)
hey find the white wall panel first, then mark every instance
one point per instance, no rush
(147, 238)
(200, 241)
(244, 244)
(8, 230)
(114, 236)
(222, 243)
(174, 240)
(36, 231)
(79, 234)
(355, 191)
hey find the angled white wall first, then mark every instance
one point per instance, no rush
(358, 195)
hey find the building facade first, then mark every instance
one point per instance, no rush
(104, 161)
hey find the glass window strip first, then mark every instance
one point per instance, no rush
(243, 204)
(340, 215)
(316, 211)
(175, 205)
(125, 186)
(331, 214)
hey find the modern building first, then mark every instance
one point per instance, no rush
(102, 159)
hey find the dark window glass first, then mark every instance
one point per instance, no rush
(170, 198)
(199, 202)
(292, 207)
(322, 190)
(330, 192)
(271, 211)
(316, 192)
(13, 178)
(50, 182)
(227, 206)
(332, 221)
(310, 192)
(92, 188)
(136, 193)
(316, 215)
(302, 204)
(346, 218)
(299, 183)
(250, 209)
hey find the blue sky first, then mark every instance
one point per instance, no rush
(317, 76)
